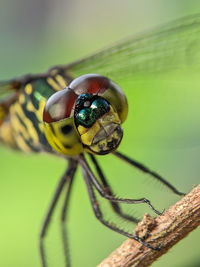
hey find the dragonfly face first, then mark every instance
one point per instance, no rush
(87, 115)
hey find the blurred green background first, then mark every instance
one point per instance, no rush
(162, 131)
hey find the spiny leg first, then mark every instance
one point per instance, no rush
(99, 215)
(107, 188)
(64, 216)
(104, 194)
(47, 220)
(147, 170)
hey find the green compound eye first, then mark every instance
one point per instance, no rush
(100, 107)
(88, 116)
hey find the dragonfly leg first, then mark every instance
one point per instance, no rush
(99, 215)
(108, 189)
(104, 194)
(63, 218)
(72, 164)
(147, 170)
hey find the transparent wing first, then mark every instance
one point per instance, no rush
(6, 89)
(159, 70)
(172, 46)
(8, 95)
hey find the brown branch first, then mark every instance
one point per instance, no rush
(165, 230)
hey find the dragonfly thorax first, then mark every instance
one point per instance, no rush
(87, 115)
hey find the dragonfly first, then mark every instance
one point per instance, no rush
(76, 112)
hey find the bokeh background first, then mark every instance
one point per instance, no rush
(162, 130)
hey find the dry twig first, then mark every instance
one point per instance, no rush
(165, 230)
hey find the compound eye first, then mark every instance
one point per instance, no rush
(59, 106)
(89, 109)
(83, 100)
(90, 84)
(85, 117)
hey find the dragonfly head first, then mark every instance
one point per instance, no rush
(87, 115)
(97, 123)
